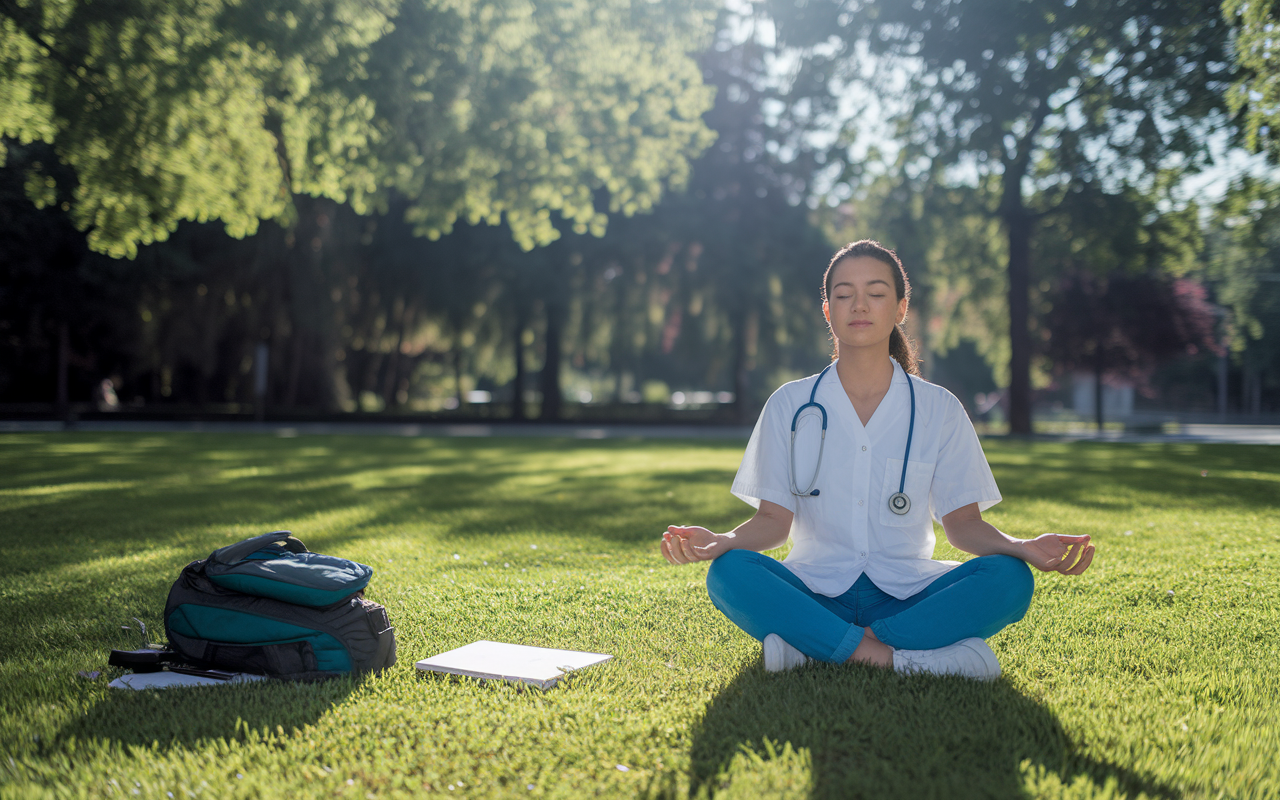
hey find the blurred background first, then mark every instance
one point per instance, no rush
(621, 210)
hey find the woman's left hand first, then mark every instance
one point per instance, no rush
(1055, 552)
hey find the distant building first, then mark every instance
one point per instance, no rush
(1117, 397)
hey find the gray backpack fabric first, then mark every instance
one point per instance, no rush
(214, 626)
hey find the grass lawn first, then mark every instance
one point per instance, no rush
(1154, 674)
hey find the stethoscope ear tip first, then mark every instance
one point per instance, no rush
(814, 493)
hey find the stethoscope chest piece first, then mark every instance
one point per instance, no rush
(899, 503)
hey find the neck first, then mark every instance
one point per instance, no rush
(864, 371)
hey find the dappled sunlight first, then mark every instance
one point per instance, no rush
(553, 543)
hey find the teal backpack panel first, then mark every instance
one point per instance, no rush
(307, 579)
(237, 627)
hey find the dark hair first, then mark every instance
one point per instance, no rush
(900, 347)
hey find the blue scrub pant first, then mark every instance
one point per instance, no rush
(761, 596)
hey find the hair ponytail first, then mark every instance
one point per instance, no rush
(901, 347)
(903, 351)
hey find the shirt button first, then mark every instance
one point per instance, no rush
(864, 448)
(863, 554)
(859, 502)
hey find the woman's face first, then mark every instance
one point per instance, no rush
(862, 306)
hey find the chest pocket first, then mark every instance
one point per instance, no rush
(919, 481)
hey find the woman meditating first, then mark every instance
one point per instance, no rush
(853, 464)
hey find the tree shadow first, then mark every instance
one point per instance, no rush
(1108, 477)
(185, 717)
(874, 733)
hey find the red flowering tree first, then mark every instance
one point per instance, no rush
(1122, 326)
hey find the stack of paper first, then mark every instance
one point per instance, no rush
(167, 680)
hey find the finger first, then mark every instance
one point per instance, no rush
(686, 548)
(666, 551)
(676, 544)
(1085, 561)
(671, 551)
(1065, 539)
(705, 550)
(1069, 559)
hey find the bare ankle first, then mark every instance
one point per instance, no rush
(872, 651)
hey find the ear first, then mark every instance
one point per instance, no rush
(902, 310)
(826, 311)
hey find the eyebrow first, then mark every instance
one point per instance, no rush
(873, 280)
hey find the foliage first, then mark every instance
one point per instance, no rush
(1245, 256)
(1145, 675)
(224, 111)
(1255, 95)
(951, 249)
(1038, 100)
(1243, 266)
(1122, 326)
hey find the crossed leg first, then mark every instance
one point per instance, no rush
(976, 599)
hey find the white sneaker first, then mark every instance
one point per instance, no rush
(968, 657)
(778, 655)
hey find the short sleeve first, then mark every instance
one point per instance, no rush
(764, 472)
(962, 475)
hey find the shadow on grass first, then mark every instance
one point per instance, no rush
(185, 717)
(873, 733)
(1115, 477)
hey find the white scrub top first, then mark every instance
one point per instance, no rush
(848, 529)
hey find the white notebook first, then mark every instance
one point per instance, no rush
(518, 663)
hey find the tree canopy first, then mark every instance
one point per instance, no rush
(1256, 92)
(486, 111)
(1031, 101)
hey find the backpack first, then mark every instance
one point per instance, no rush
(268, 605)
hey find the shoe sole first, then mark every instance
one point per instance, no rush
(989, 659)
(775, 654)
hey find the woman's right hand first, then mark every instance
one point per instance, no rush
(683, 544)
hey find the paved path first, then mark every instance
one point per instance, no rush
(411, 429)
(1197, 433)
(1200, 434)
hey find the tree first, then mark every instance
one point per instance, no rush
(1123, 325)
(502, 109)
(1255, 95)
(740, 261)
(1243, 266)
(1038, 99)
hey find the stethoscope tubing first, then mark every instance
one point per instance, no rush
(899, 503)
(822, 442)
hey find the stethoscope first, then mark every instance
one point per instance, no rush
(899, 503)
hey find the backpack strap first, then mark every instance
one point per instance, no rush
(235, 553)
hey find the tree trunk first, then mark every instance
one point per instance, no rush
(1222, 386)
(744, 331)
(549, 380)
(518, 384)
(1097, 385)
(391, 381)
(1017, 225)
(295, 365)
(457, 373)
(62, 399)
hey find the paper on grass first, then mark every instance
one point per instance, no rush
(518, 663)
(167, 680)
